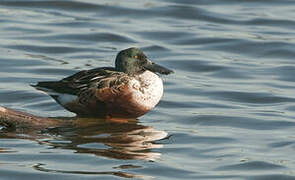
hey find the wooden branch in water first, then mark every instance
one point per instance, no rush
(25, 122)
(17, 120)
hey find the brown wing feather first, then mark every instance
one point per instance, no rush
(98, 99)
(80, 81)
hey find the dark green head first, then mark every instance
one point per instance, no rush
(133, 61)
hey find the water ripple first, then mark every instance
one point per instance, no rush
(52, 4)
(250, 166)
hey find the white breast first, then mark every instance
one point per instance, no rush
(147, 90)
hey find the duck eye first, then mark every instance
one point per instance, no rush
(135, 57)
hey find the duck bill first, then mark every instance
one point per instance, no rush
(157, 68)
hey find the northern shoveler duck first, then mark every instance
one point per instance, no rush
(128, 90)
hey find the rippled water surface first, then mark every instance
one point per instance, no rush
(227, 112)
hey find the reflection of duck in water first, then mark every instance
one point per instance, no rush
(118, 140)
(129, 90)
(126, 140)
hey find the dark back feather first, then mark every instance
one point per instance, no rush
(83, 80)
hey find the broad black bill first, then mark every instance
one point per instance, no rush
(157, 68)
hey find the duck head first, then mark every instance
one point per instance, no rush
(133, 61)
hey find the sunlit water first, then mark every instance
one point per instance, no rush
(227, 112)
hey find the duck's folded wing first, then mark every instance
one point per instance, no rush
(81, 81)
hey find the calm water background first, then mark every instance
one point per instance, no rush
(227, 113)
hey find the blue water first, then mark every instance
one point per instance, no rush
(227, 112)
